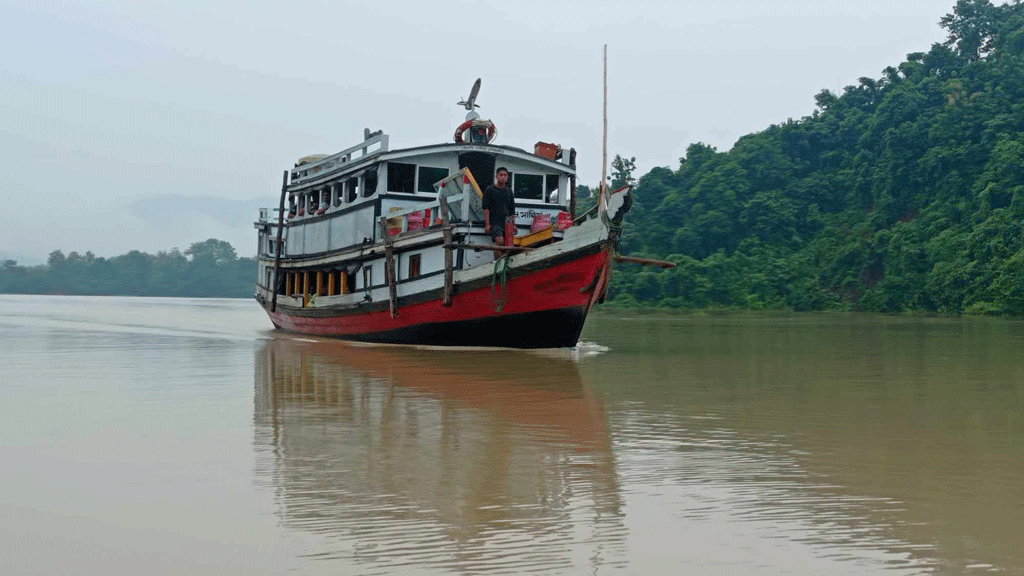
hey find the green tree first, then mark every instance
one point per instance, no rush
(622, 172)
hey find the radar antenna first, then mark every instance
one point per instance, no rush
(470, 103)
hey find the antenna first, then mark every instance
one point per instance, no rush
(470, 103)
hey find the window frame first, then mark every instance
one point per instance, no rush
(516, 176)
(393, 169)
(417, 260)
(419, 183)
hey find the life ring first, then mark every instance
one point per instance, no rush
(491, 131)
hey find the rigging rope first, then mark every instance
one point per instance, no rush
(504, 282)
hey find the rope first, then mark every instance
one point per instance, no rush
(608, 222)
(504, 282)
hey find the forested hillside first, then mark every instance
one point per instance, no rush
(208, 268)
(905, 192)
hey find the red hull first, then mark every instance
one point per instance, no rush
(544, 307)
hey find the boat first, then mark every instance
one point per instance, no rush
(387, 245)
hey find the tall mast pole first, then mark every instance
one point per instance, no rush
(604, 142)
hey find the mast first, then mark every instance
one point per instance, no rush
(277, 245)
(603, 200)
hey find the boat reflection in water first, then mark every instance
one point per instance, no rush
(468, 460)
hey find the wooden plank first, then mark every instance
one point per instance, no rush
(389, 266)
(479, 247)
(545, 235)
(389, 252)
(449, 259)
(277, 246)
(646, 261)
(330, 283)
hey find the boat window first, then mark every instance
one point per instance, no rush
(367, 277)
(481, 165)
(551, 187)
(337, 193)
(414, 265)
(333, 282)
(528, 186)
(369, 182)
(428, 176)
(401, 177)
(351, 190)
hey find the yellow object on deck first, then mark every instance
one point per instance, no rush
(535, 238)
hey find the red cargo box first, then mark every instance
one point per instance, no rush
(549, 151)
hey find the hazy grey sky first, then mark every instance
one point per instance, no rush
(107, 101)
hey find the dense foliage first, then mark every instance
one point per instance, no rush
(209, 268)
(906, 192)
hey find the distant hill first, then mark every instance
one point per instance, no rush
(165, 210)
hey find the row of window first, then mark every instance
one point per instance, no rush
(321, 282)
(409, 178)
(335, 282)
(535, 186)
(346, 191)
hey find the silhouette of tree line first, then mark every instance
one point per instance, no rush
(206, 269)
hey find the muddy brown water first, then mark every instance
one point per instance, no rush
(174, 436)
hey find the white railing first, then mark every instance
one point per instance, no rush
(305, 171)
(435, 212)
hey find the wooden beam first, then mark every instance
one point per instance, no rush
(389, 266)
(646, 261)
(449, 259)
(479, 247)
(330, 283)
(277, 246)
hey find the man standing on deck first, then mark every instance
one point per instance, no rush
(498, 204)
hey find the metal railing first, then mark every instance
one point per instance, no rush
(305, 171)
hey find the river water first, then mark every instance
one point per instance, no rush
(174, 436)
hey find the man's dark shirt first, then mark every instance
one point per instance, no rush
(501, 203)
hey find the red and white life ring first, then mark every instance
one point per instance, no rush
(491, 131)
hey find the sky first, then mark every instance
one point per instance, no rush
(153, 125)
